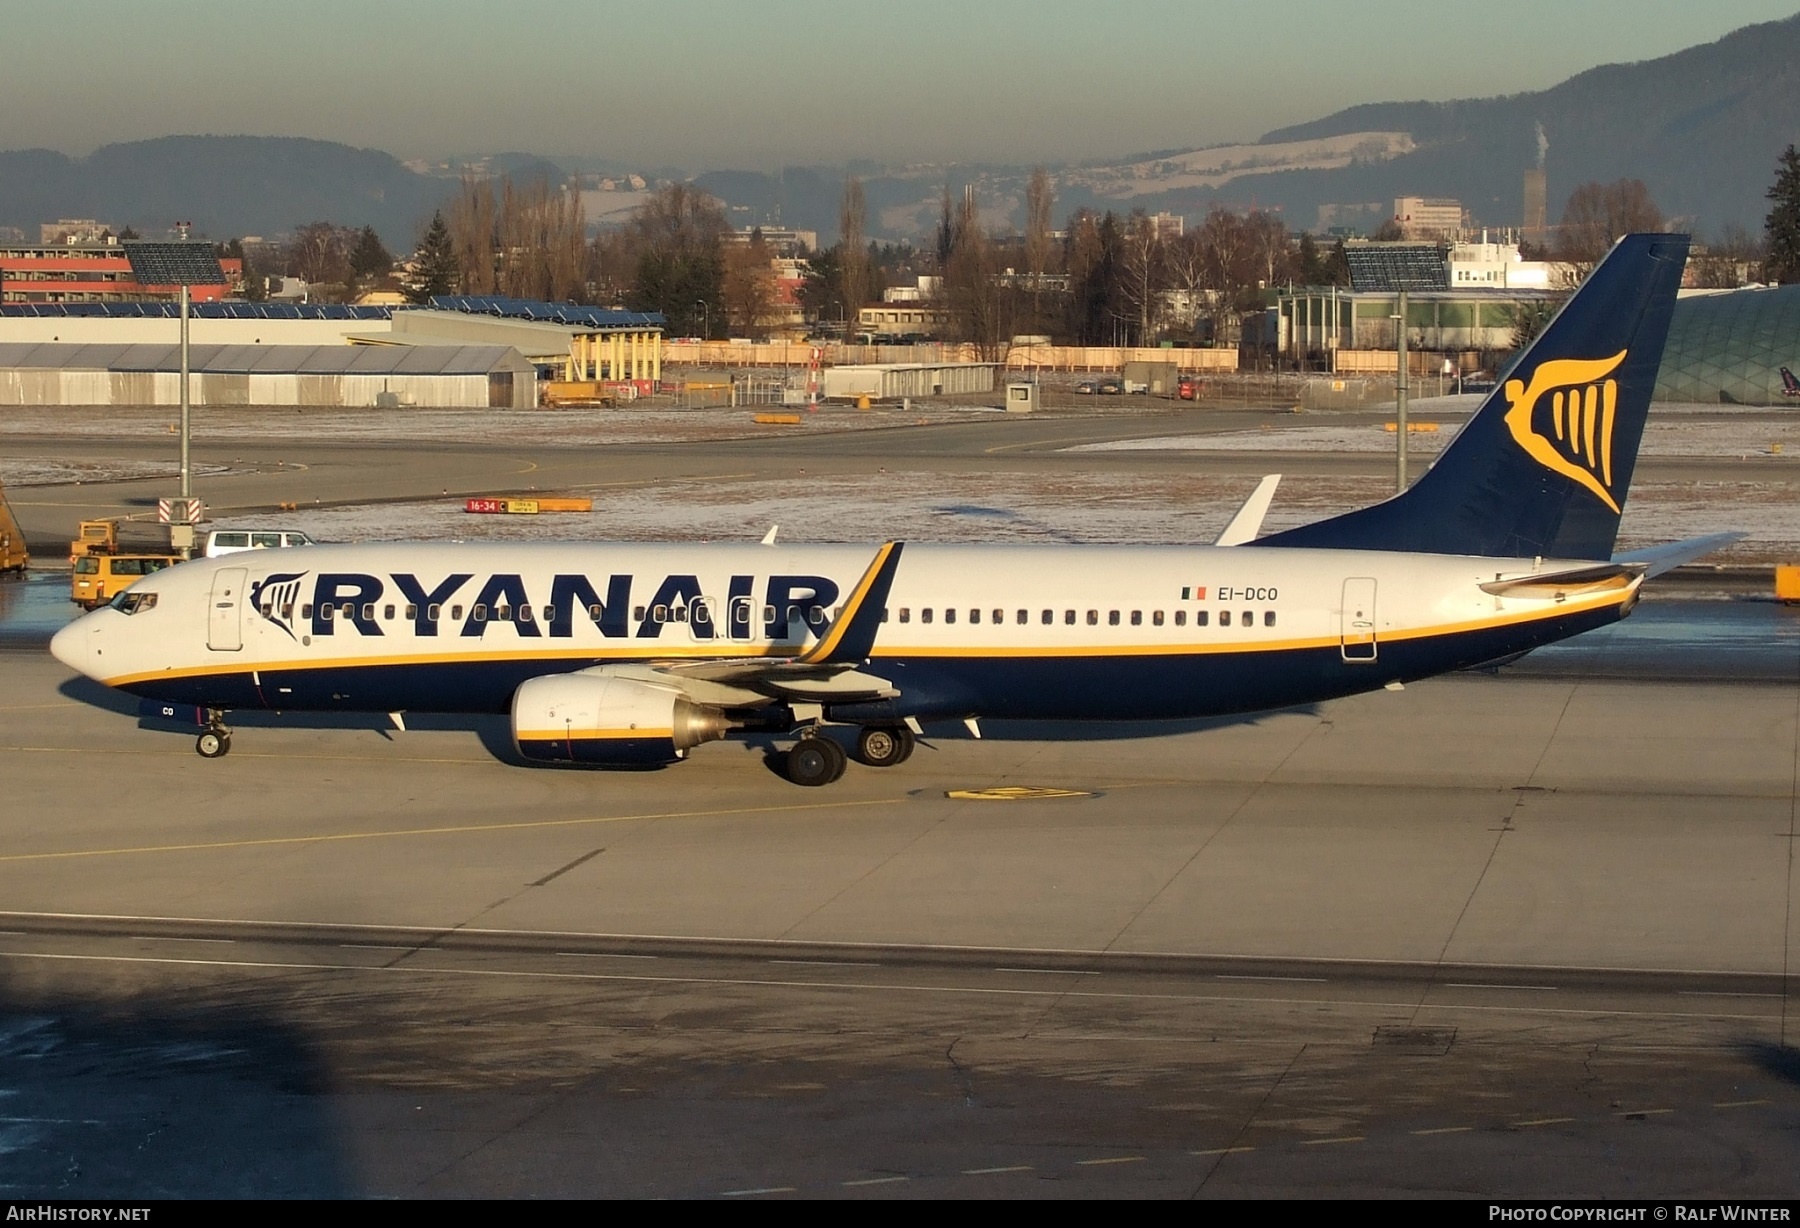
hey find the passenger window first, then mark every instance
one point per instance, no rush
(412, 611)
(549, 614)
(1112, 618)
(1202, 617)
(431, 612)
(1093, 618)
(1024, 617)
(387, 612)
(975, 616)
(925, 615)
(503, 614)
(348, 610)
(905, 614)
(637, 614)
(524, 613)
(479, 612)
(884, 613)
(659, 614)
(306, 610)
(1000, 617)
(816, 616)
(1268, 618)
(595, 612)
(768, 616)
(678, 614)
(1137, 618)
(1156, 618)
(1181, 618)
(1049, 617)
(949, 615)
(456, 613)
(287, 612)
(1249, 619)
(369, 613)
(1068, 618)
(1224, 618)
(327, 612)
(267, 610)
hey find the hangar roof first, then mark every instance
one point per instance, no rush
(268, 359)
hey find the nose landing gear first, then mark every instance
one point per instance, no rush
(214, 741)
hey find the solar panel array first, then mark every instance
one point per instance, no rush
(1386, 268)
(199, 311)
(547, 313)
(174, 264)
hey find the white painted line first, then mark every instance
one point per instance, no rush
(823, 963)
(1642, 1112)
(767, 1189)
(1005, 1168)
(1326, 1142)
(875, 1181)
(1444, 1130)
(1496, 985)
(1052, 971)
(1301, 980)
(1222, 1151)
(1110, 1160)
(1713, 993)
(1738, 1104)
(1541, 1121)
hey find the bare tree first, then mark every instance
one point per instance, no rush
(319, 254)
(1141, 272)
(748, 287)
(973, 298)
(677, 237)
(1735, 258)
(853, 255)
(472, 234)
(1599, 213)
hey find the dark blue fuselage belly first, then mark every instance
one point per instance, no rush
(1050, 687)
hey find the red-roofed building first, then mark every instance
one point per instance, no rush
(89, 273)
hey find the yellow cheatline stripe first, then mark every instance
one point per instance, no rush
(604, 654)
(587, 735)
(1013, 793)
(839, 628)
(470, 829)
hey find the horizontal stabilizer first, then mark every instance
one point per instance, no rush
(1575, 581)
(1248, 522)
(1658, 559)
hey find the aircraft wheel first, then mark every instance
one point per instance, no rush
(815, 761)
(884, 745)
(213, 745)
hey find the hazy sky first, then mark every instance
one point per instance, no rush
(755, 86)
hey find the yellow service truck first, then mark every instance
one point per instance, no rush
(97, 578)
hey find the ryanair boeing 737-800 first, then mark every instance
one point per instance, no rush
(620, 655)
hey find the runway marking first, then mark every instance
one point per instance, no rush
(224, 942)
(1738, 1104)
(1642, 1112)
(875, 1181)
(1110, 1160)
(473, 828)
(1541, 1121)
(812, 963)
(1245, 976)
(1222, 1151)
(767, 1189)
(1013, 793)
(1053, 971)
(1715, 993)
(1444, 1130)
(1327, 1142)
(1004, 1168)
(1489, 985)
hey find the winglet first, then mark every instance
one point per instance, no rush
(852, 634)
(1248, 521)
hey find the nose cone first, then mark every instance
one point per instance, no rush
(71, 645)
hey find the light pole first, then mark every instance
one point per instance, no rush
(1400, 398)
(705, 319)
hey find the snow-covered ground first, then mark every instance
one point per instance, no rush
(1720, 437)
(1008, 508)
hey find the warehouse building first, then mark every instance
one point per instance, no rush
(892, 381)
(448, 376)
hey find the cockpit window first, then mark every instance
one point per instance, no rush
(129, 602)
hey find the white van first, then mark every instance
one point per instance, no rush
(230, 541)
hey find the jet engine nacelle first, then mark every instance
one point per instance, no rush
(606, 720)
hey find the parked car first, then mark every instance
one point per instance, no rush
(1087, 387)
(230, 541)
(1110, 386)
(1187, 388)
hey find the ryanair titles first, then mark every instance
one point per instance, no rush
(465, 605)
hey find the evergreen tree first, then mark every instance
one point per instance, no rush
(434, 266)
(1783, 224)
(369, 258)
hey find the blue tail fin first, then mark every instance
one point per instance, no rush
(1544, 465)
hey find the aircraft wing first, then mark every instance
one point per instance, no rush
(1657, 559)
(831, 667)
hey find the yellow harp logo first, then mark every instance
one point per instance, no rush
(1576, 438)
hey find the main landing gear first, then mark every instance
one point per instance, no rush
(214, 741)
(817, 760)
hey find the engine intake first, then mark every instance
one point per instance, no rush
(617, 722)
